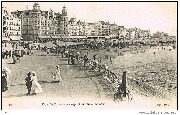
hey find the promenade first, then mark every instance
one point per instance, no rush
(80, 84)
(76, 84)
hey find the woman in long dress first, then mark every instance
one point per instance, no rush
(36, 87)
(4, 85)
(5, 79)
(57, 75)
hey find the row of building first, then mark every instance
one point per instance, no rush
(36, 24)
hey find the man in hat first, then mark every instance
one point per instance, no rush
(28, 81)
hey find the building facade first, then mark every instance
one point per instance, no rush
(62, 22)
(37, 24)
(11, 25)
(73, 27)
(105, 28)
(113, 30)
(145, 34)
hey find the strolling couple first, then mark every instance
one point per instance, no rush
(32, 83)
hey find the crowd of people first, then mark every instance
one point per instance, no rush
(77, 57)
(14, 51)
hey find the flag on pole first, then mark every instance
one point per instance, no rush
(26, 7)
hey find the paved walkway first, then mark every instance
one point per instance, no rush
(77, 83)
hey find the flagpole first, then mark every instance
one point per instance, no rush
(26, 7)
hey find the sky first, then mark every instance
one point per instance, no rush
(153, 16)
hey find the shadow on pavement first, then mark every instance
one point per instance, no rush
(8, 63)
(40, 82)
(43, 82)
(86, 76)
(63, 64)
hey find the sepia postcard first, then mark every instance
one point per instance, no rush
(89, 55)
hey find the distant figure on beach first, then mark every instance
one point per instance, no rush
(28, 81)
(110, 59)
(57, 75)
(36, 87)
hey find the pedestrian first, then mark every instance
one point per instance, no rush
(5, 79)
(3, 55)
(77, 55)
(57, 74)
(36, 87)
(85, 59)
(110, 59)
(9, 53)
(14, 59)
(94, 57)
(22, 53)
(16, 45)
(39, 47)
(6, 54)
(28, 81)
(13, 45)
(69, 56)
(63, 52)
(4, 86)
(72, 59)
(48, 51)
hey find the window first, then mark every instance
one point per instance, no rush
(4, 29)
